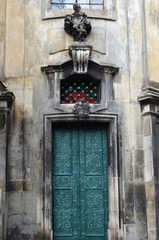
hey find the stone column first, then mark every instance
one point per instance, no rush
(6, 99)
(150, 112)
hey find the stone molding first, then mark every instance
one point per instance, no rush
(150, 94)
(149, 100)
(111, 121)
(108, 68)
(102, 73)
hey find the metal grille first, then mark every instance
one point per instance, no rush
(85, 4)
(74, 90)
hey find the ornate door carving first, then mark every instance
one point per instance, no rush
(80, 183)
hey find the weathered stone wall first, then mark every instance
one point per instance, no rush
(2, 36)
(29, 43)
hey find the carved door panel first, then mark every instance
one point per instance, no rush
(80, 183)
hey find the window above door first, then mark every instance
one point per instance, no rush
(77, 88)
(102, 9)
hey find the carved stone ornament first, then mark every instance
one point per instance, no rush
(82, 109)
(80, 53)
(77, 24)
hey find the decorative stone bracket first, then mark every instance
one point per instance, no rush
(80, 53)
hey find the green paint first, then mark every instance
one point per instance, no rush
(80, 182)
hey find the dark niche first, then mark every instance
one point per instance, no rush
(77, 24)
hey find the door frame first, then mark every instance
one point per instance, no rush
(114, 216)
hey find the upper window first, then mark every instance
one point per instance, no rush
(102, 9)
(85, 4)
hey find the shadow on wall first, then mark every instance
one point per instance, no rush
(15, 233)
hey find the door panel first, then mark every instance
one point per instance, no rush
(80, 185)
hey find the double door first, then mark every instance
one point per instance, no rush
(80, 182)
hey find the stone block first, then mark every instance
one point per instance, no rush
(150, 208)
(147, 126)
(28, 199)
(14, 39)
(139, 194)
(138, 172)
(15, 203)
(27, 220)
(129, 203)
(125, 88)
(147, 142)
(127, 165)
(14, 186)
(151, 220)
(139, 157)
(139, 141)
(150, 194)
(14, 172)
(15, 83)
(14, 219)
(152, 234)
(26, 185)
(140, 212)
(149, 173)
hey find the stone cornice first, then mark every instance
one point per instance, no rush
(104, 67)
(149, 95)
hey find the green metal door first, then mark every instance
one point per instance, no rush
(80, 182)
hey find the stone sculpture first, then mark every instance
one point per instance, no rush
(82, 109)
(77, 24)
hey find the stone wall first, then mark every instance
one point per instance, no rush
(29, 42)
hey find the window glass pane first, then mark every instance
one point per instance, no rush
(56, 1)
(67, 6)
(69, 1)
(57, 6)
(97, 1)
(83, 1)
(85, 6)
(100, 7)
